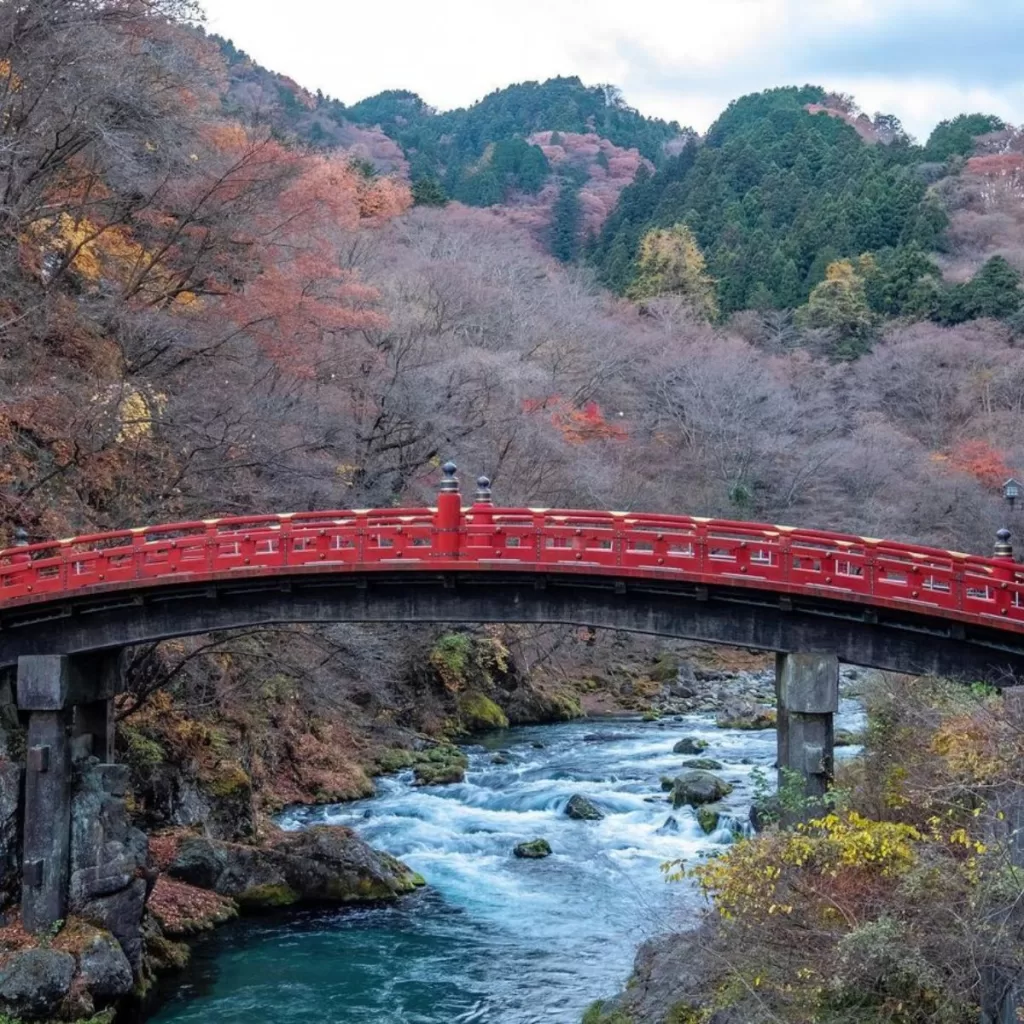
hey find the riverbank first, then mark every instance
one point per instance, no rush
(214, 756)
(910, 884)
(494, 939)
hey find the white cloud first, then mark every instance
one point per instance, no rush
(684, 59)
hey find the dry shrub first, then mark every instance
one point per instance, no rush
(896, 905)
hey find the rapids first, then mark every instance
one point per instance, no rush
(493, 939)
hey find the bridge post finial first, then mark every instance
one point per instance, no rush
(447, 519)
(450, 482)
(483, 491)
(1003, 548)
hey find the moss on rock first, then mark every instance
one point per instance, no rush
(666, 668)
(395, 759)
(266, 897)
(601, 1013)
(480, 712)
(707, 818)
(535, 849)
(229, 779)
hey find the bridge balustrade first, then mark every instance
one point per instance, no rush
(784, 559)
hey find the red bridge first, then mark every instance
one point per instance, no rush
(67, 608)
(936, 598)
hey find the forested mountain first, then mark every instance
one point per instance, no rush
(794, 200)
(479, 152)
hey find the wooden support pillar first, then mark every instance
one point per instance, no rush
(807, 689)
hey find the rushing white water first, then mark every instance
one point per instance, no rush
(494, 939)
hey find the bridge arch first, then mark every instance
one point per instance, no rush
(813, 597)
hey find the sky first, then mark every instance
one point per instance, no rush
(923, 60)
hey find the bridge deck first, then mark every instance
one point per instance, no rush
(924, 581)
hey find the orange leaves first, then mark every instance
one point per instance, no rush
(383, 198)
(979, 459)
(577, 424)
(997, 165)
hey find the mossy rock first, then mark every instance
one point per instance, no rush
(747, 717)
(143, 754)
(707, 764)
(500, 759)
(480, 712)
(563, 707)
(167, 955)
(395, 760)
(267, 897)
(690, 745)
(444, 753)
(667, 782)
(697, 788)
(535, 849)
(440, 766)
(228, 779)
(601, 1013)
(707, 818)
(684, 1013)
(651, 716)
(666, 668)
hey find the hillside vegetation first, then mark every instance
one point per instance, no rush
(794, 200)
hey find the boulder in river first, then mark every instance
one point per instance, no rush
(324, 864)
(669, 827)
(707, 764)
(847, 738)
(707, 818)
(535, 849)
(690, 745)
(605, 737)
(500, 759)
(582, 809)
(745, 714)
(439, 766)
(697, 787)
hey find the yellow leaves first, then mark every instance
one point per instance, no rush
(971, 751)
(670, 262)
(753, 877)
(8, 76)
(134, 416)
(111, 253)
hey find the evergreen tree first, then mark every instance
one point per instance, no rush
(993, 292)
(428, 192)
(565, 223)
(956, 137)
(775, 195)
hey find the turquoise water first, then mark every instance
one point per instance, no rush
(494, 939)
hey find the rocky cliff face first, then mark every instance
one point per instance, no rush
(97, 956)
(110, 877)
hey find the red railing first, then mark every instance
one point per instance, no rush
(482, 538)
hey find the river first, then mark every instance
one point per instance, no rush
(493, 939)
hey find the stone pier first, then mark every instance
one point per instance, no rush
(69, 702)
(807, 688)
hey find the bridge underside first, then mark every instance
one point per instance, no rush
(875, 637)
